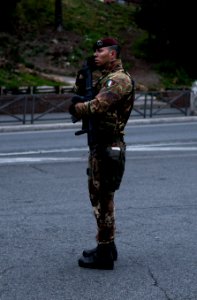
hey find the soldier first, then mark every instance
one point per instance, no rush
(108, 111)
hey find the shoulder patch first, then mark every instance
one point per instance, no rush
(109, 83)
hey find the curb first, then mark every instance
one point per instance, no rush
(185, 119)
(56, 126)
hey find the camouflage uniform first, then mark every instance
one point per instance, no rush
(109, 112)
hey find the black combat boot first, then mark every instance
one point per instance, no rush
(100, 259)
(114, 252)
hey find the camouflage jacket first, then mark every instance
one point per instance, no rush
(112, 105)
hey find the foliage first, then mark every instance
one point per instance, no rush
(33, 14)
(13, 79)
(7, 15)
(164, 35)
(84, 21)
(173, 76)
(171, 32)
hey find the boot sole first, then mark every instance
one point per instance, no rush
(88, 255)
(96, 266)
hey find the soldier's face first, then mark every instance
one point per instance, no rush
(103, 56)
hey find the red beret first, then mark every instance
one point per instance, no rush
(105, 42)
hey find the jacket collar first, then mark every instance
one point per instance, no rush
(114, 66)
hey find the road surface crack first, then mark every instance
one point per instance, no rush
(156, 283)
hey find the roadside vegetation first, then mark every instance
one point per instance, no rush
(32, 44)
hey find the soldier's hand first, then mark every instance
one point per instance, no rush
(71, 109)
(74, 119)
(76, 99)
(73, 113)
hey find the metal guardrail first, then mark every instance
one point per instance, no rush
(32, 104)
(47, 103)
(150, 104)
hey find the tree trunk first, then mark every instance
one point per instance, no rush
(58, 15)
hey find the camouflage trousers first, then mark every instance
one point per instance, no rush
(105, 172)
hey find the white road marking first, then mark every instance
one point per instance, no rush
(29, 156)
(161, 148)
(18, 160)
(33, 152)
(176, 146)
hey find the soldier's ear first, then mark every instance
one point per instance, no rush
(113, 53)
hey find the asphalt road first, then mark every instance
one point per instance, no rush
(46, 219)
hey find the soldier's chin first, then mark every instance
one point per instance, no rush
(99, 65)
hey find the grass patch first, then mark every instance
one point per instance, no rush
(13, 79)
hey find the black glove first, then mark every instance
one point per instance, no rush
(71, 109)
(75, 99)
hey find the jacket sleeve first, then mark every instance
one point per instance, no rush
(111, 93)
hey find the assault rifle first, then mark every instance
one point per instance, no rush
(84, 83)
